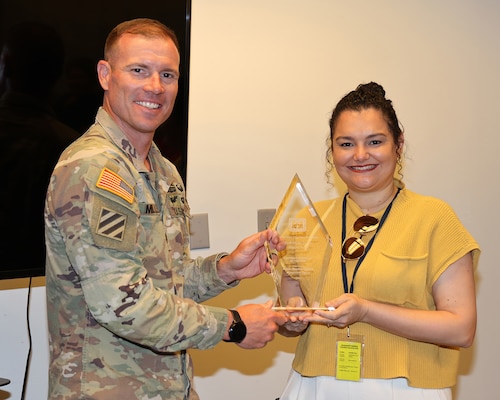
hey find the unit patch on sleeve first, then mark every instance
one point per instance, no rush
(111, 224)
(112, 182)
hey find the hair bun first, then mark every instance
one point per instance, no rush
(371, 91)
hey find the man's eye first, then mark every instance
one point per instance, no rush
(169, 75)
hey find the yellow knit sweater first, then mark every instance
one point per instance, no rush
(420, 238)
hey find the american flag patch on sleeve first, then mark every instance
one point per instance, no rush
(113, 183)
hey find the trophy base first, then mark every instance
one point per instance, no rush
(291, 309)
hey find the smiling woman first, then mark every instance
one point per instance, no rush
(77, 95)
(401, 273)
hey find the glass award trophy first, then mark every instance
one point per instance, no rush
(308, 246)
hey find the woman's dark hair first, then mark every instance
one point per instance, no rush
(367, 95)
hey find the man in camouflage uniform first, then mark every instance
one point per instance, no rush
(122, 291)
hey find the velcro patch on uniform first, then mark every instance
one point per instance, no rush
(111, 224)
(112, 182)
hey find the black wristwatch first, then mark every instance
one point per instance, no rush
(237, 331)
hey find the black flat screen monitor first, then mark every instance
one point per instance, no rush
(84, 27)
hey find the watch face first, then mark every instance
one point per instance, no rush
(238, 331)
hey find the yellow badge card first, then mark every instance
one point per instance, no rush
(349, 360)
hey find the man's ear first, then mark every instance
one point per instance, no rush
(103, 73)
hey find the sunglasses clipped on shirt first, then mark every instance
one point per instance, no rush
(354, 247)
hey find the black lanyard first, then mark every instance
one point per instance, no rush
(348, 289)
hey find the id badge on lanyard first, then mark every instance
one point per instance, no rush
(349, 348)
(349, 356)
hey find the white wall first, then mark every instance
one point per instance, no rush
(265, 75)
(14, 339)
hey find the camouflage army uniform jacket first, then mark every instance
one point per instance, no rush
(122, 291)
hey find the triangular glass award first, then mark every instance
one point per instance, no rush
(309, 245)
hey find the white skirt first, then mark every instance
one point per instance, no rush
(329, 388)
